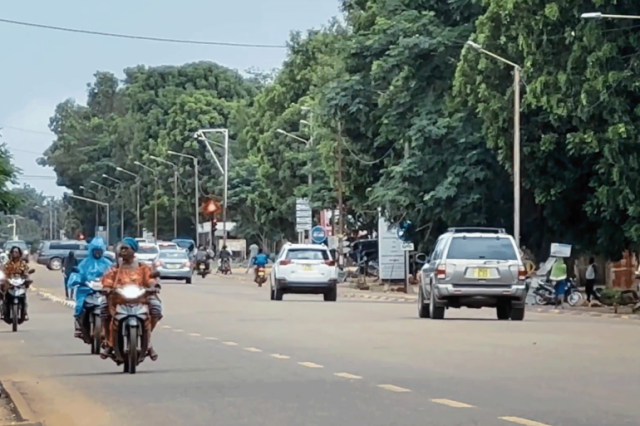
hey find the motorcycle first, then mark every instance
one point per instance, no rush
(203, 271)
(131, 342)
(545, 293)
(261, 277)
(225, 266)
(91, 320)
(15, 300)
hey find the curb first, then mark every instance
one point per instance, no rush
(405, 299)
(24, 411)
(55, 299)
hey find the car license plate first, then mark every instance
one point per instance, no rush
(481, 273)
(170, 266)
(307, 268)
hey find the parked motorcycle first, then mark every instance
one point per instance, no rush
(261, 276)
(131, 342)
(15, 300)
(545, 293)
(91, 320)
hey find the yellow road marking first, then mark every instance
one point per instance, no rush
(451, 403)
(177, 330)
(194, 334)
(522, 421)
(166, 326)
(211, 338)
(230, 343)
(310, 364)
(252, 349)
(394, 388)
(347, 375)
(278, 356)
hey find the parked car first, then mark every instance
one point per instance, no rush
(147, 253)
(304, 269)
(474, 268)
(174, 265)
(18, 243)
(52, 253)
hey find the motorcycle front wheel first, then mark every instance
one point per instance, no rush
(540, 300)
(132, 359)
(575, 298)
(14, 317)
(96, 335)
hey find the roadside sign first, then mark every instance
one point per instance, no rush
(407, 246)
(318, 235)
(304, 216)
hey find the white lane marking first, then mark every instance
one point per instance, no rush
(253, 350)
(230, 343)
(394, 388)
(166, 326)
(177, 330)
(522, 421)
(195, 334)
(347, 375)
(451, 403)
(310, 364)
(210, 338)
(278, 356)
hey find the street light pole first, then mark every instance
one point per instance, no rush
(121, 205)
(175, 193)
(197, 189)
(516, 135)
(598, 15)
(200, 134)
(84, 188)
(155, 197)
(120, 169)
(97, 203)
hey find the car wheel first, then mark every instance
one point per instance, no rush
(55, 264)
(278, 294)
(423, 308)
(188, 280)
(517, 313)
(271, 291)
(331, 295)
(503, 311)
(435, 312)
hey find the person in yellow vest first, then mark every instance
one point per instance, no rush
(559, 277)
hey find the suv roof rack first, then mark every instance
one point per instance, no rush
(471, 229)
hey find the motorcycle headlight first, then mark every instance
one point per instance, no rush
(131, 291)
(16, 281)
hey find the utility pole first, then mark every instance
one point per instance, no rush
(407, 285)
(340, 196)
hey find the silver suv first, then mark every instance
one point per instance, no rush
(473, 268)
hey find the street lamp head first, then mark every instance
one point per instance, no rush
(105, 176)
(172, 153)
(473, 45)
(281, 131)
(305, 122)
(591, 15)
(82, 187)
(137, 163)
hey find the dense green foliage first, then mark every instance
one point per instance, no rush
(424, 125)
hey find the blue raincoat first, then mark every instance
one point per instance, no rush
(90, 269)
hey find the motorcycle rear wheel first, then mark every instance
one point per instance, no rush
(574, 298)
(540, 300)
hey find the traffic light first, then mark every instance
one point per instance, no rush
(211, 207)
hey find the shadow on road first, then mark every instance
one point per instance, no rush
(118, 371)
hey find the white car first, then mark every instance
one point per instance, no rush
(304, 269)
(147, 253)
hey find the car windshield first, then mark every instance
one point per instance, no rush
(21, 244)
(185, 244)
(148, 250)
(490, 248)
(307, 254)
(173, 255)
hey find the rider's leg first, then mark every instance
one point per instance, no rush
(105, 316)
(155, 312)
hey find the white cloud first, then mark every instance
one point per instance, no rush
(27, 135)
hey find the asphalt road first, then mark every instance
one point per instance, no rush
(230, 356)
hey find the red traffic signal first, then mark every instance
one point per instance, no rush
(211, 207)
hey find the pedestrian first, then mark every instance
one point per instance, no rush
(253, 252)
(590, 278)
(70, 262)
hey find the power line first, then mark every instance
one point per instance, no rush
(21, 129)
(145, 38)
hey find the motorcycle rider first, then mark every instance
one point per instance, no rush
(202, 257)
(260, 260)
(128, 271)
(15, 266)
(91, 268)
(224, 255)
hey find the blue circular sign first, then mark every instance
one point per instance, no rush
(318, 235)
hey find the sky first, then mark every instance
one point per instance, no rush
(41, 67)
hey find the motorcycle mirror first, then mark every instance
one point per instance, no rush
(31, 271)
